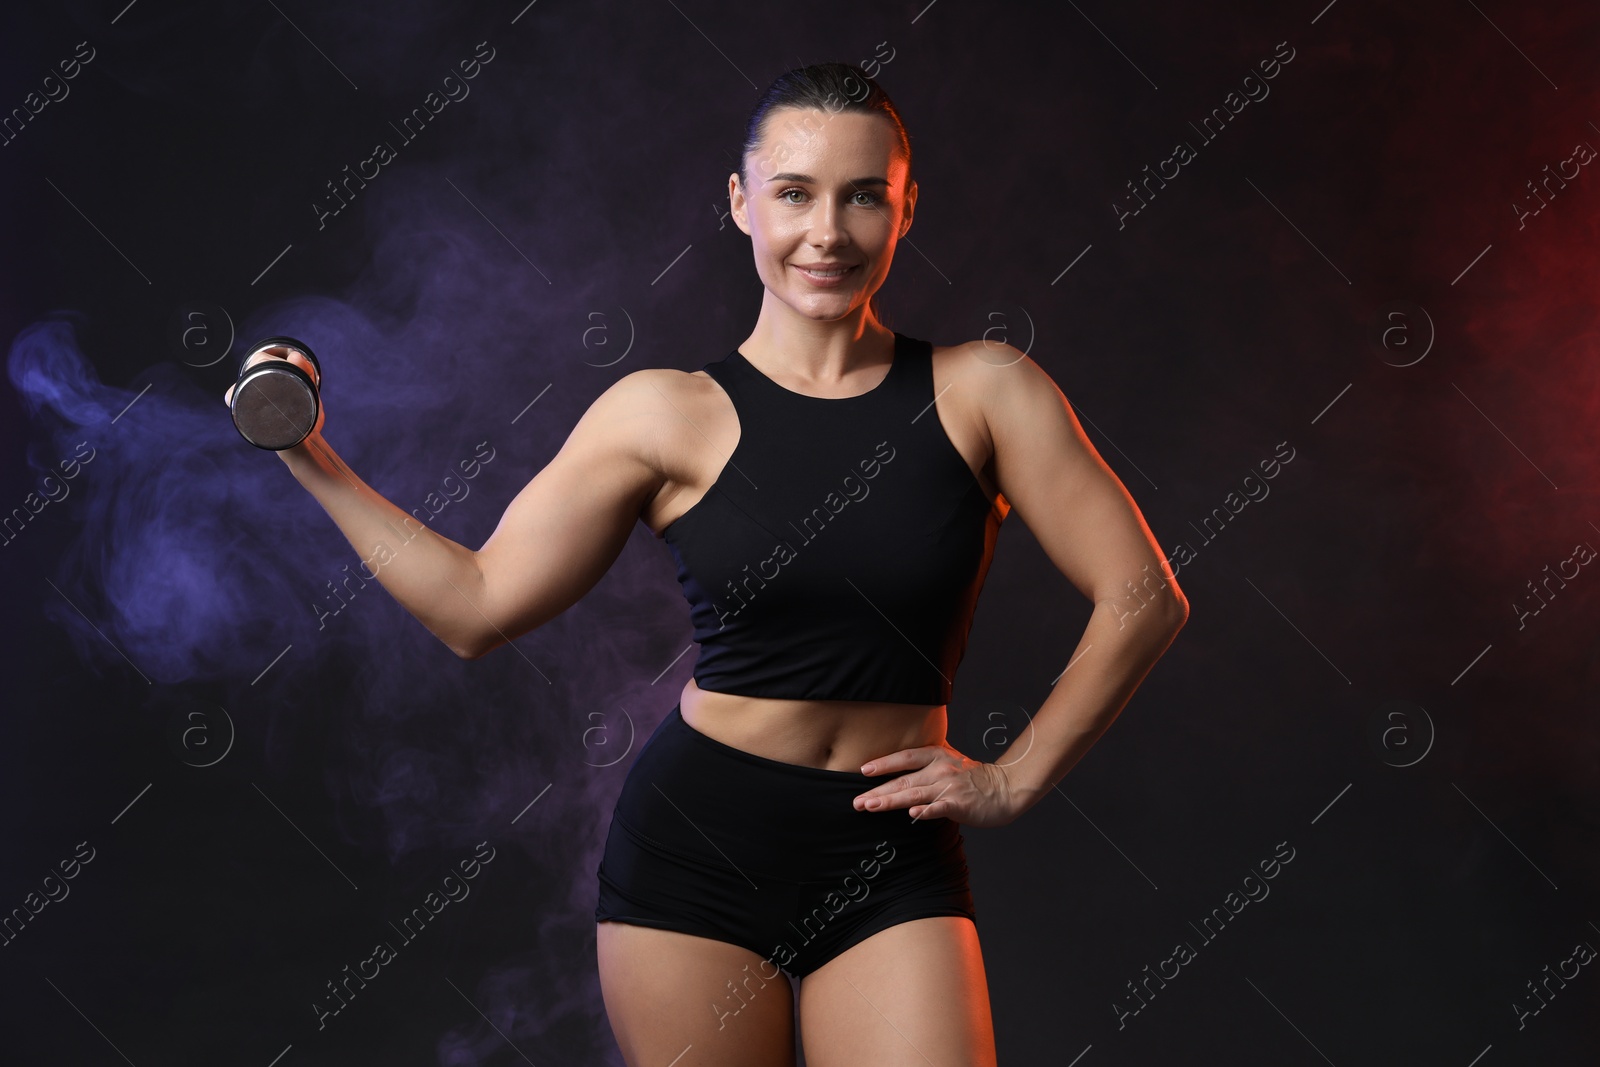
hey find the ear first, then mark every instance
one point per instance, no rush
(911, 207)
(738, 207)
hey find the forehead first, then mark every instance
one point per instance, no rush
(820, 143)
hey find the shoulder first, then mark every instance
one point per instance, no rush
(645, 411)
(993, 378)
(651, 393)
(990, 364)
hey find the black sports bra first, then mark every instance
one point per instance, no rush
(840, 552)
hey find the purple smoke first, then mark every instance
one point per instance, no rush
(200, 559)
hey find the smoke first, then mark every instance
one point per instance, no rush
(175, 521)
(200, 561)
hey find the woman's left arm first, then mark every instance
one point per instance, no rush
(1089, 526)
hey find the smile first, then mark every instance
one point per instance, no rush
(825, 277)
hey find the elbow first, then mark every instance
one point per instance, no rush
(472, 646)
(1177, 611)
(477, 646)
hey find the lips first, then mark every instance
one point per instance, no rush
(825, 272)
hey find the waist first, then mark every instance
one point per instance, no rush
(834, 735)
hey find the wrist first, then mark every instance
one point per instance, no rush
(1025, 789)
(317, 467)
(310, 455)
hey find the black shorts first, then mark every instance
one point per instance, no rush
(712, 840)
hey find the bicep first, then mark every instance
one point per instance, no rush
(1074, 505)
(562, 532)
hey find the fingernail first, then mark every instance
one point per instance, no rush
(866, 769)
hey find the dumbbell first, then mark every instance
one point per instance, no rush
(275, 403)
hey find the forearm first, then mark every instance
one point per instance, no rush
(434, 578)
(1116, 652)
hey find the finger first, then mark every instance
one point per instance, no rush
(932, 774)
(887, 797)
(291, 355)
(905, 759)
(261, 357)
(255, 357)
(294, 355)
(883, 764)
(936, 807)
(298, 358)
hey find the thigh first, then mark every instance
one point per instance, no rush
(687, 1001)
(913, 994)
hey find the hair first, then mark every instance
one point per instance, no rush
(830, 87)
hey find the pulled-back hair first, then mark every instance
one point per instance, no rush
(830, 87)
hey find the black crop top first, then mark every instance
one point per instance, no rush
(840, 552)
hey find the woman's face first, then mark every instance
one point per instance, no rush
(827, 191)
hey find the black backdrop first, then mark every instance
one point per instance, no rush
(1377, 261)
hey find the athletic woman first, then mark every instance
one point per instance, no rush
(830, 491)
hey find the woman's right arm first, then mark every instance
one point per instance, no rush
(555, 540)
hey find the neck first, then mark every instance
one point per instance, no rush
(813, 350)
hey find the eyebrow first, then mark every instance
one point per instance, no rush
(809, 180)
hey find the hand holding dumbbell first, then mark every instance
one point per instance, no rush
(275, 401)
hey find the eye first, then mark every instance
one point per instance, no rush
(871, 199)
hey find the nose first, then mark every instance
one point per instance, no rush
(826, 231)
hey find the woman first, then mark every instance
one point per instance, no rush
(830, 491)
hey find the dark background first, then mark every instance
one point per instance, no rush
(265, 795)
